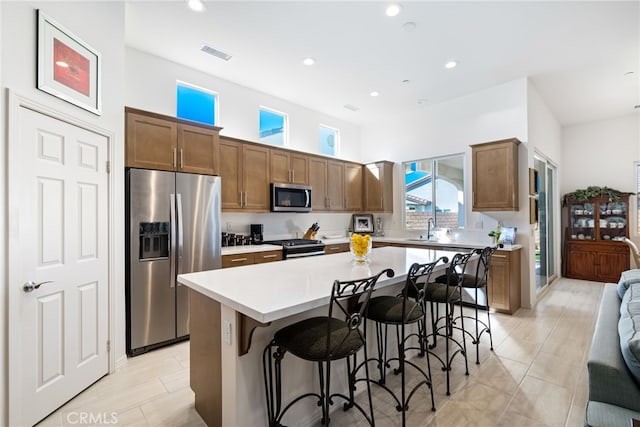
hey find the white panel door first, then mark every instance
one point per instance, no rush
(63, 245)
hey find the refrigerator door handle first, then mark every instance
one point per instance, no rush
(172, 222)
(180, 233)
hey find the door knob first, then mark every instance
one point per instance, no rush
(31, 286)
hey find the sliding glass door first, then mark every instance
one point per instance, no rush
(545, 236)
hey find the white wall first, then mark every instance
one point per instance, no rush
(3, 253)
(90, 21)
(601, 153)
(151, 86)
(545, 138)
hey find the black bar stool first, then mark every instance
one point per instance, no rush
(322, 340)
(478, 282)
(447, 291)
(399, 311)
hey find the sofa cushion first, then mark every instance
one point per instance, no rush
(627, 278)
(629, 329)
(599, 414)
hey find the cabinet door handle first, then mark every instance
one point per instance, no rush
(175, 153)
(238, 259)
(293, 175)
(269, 256)
(181, 159)
(498, 256)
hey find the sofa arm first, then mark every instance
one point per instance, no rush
(609, 378)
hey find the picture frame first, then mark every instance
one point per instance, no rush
(362, 223)
(68, 68)
(534, 182)
(508, 235)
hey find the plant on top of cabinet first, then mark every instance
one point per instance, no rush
(583, 195)
(495, 175)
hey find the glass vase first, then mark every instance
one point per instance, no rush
(360, 252)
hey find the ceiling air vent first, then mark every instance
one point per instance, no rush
(215, 52)
(351, 107)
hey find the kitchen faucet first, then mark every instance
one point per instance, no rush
(430, 224)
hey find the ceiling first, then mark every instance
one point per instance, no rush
(577, 54)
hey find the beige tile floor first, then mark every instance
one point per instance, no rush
(536, 376)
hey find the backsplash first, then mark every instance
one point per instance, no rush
(287, 225)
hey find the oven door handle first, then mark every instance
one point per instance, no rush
(303, 254)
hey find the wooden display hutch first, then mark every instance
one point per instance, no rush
(593, 239)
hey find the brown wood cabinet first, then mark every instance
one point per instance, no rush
(336, 248)
(504, 285)
(244, 169)
(593, 246)
(154, 141)
(378, 187)
(289, 167)
(326, 178)
(495, 175)
(249, 258)
(353, 187)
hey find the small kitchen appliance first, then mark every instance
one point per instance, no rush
(257, 234)
(290, 198)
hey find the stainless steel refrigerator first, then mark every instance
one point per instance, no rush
(173, 227)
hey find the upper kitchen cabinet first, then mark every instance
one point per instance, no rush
(378, 187)
(154, 141)
(245, 176)
(289, 167)
(353, 187)
(327, 180)
(495, 175)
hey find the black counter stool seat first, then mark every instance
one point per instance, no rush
(448, 293)
(400, 311)
(323, 340)
(477, 282)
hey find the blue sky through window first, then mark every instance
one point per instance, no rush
(328, 141)
(196, 104)
(272, 127)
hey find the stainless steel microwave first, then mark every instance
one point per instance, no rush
(290, 198)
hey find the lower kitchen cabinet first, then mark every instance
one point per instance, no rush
(237, 260)
(336, 248)
(504, 281)
(597, 261)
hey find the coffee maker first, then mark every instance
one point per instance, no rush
(256, 234)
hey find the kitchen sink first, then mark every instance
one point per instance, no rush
(415, 239)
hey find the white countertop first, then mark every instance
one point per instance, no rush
(440, 244)
(234, 250)
(272, 291)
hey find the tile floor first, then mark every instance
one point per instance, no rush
(536, 376)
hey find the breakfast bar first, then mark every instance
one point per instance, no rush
(234, 313)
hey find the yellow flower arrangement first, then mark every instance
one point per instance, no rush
(360, 244)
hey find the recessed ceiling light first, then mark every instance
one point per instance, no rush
(628, 73)
(451, 64)
(637, 107)
(374, 93)
(308, 61)
(406, 81)
(422, 101)
(196, 5)
(393, 9)
(351, 107)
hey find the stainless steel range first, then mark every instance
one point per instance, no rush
(296, 248)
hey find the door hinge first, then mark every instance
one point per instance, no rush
(108, 166)
(108, 345)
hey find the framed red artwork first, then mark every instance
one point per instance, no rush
(68, 68)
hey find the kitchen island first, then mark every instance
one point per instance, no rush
(226, 346)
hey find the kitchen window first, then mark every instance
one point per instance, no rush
(196, 104)
(274, 127)
(434, 188)
(329, 139)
